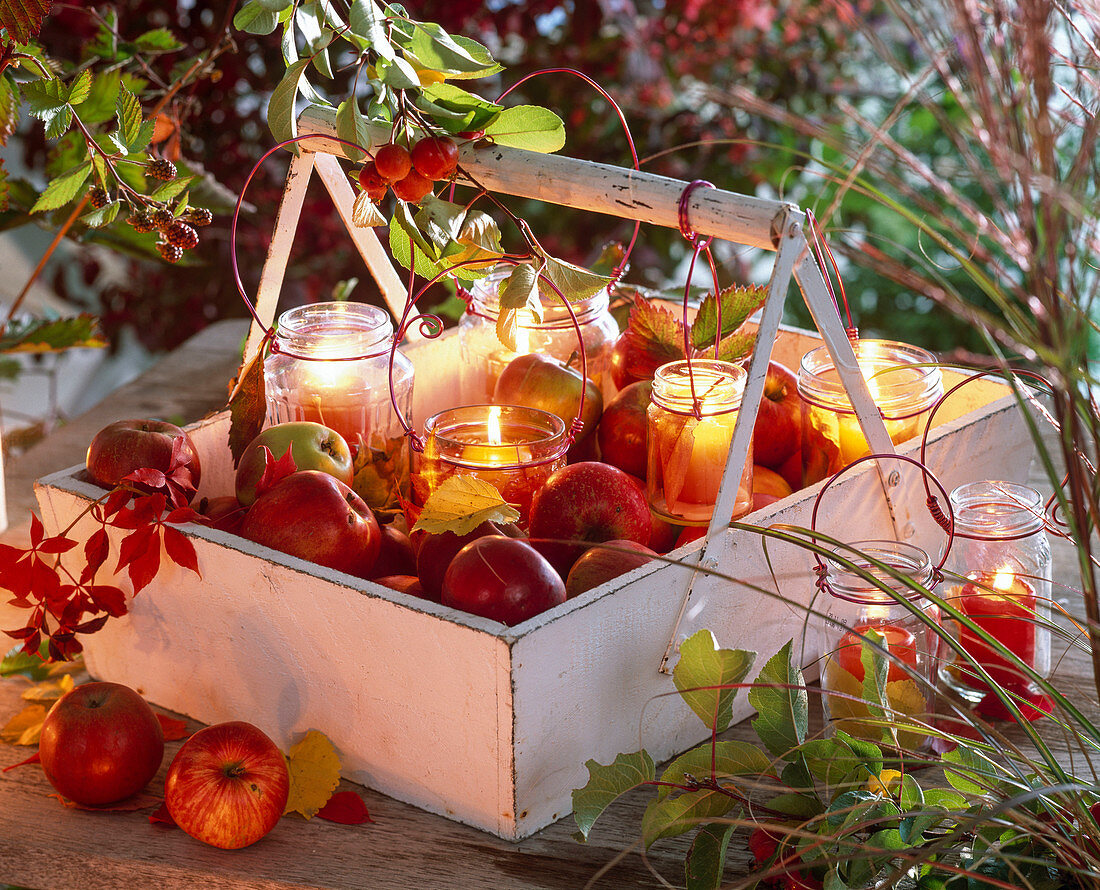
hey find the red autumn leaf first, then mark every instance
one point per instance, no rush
(345, 807)
(37, 531)
(57, 544)
(45, 583)
(96, 551)
(247, 406)
(19, 579)
(180, 550)
(64, 647)
(116, 500)
(23, 20)
(183, 514)
(656, 337)
(139, 801)
(144, 567)
(146, 476)
(90, 627)
(1033, 703)
(72, 611)
(274, 470)
(22, 633)
(134, 545)
(10, 557)
(32, 759)
(108, 598)
(161, 816)
(32, 644)
(173, 728)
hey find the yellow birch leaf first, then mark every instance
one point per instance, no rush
(461, 504)
(49, 690)
(26, 726)
(314, 774)
(75, 667)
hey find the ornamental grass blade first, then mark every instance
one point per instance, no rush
(706, 677)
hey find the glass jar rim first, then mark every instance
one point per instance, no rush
(334, 330)
(723, 382)
(907, 559)
(545, 437)
(819, 384)
(485, 300)
(995, 509)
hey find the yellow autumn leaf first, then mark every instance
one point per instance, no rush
(26, 726)
(314, 774)
(365, 213)
(461, 504)
(884, 782)
(74, 667)
(49, 690)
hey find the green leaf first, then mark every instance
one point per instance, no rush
(143, 138)
(352, 126)
(702, 664)
(58, 123)
(833, 762)
(517, 293)
(784, 713)
(280, 108)
(574, 282)
(606, 784)
(44, 96)
(946, 798)
(99, 106)
(730, 757)
(63, 189)
(971, 773)
(910, 796)
(530, 127)
(674, 816)
(101, 216)
(19, 662)
(887, 839)
(461, 504)
(170, 190)
(159, 40)
(255, 18)
(365, 20)
(129, 115)
(435, 49)
(9, 107)
(51, 334)
(738, 303)
(398, 73)
(797, 806)
(479, 54)
(472, 111)
(440, 221)
(706, 858)
(80, 87)
(404, 236)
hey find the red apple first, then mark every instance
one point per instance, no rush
(690, 533)
(437, 551)
(769, 482)
(127, 445)
(622, 430)
(228, 785)
(409, 584)
(224, 512)
(395, 556)
(312, 446)
(100, 743)
(314, 516)
(663, 534)
(539, 381)
(777, 433)
(761, 500)
(588, 502)
(603, 562)
(791, 470)
(504, 579)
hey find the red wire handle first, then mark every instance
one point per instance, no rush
(698, 244)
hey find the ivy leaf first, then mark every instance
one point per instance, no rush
(519, 291)
(706, 858)
(461, 504)
(530, 127)
(738, 303)
(365, 213)
(606, 783)
(51, 335)
(783, 713)
(352, 126)
(247, 406)
(23, 18)
(280, 108)
(676, 815)
(728, 757)
(255, 18)
(129, 115)
(314, 774)
(703, 664)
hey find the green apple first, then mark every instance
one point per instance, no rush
(312, 446)
(539, 381)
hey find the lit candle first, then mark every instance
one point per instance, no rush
(687, 455)
(1003, 605)
(513, 448)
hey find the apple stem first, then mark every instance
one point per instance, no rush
(234, 770)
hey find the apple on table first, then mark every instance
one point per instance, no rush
(124, 446)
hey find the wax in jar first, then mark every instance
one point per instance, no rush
(900, 642)
(1003, 605)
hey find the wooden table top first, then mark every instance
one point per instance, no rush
(43, 844)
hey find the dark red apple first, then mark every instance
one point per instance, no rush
(663, 535)
(314, 516)
(437, 551)
(791, 470)
(127, 445)
(395, 556)
(100, 743)
(409, 584)
(777, 433)
(622, 430)
(602, 562)
(587, 502)
(312, 446)
(690, 533)
(504, 579)
(540, 381)
(228, 785)
(224, 512)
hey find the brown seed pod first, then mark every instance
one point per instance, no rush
(181, 235)
(198, 216)
(161, 168)
(170, 252)
(98, 197)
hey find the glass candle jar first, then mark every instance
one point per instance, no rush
(872, 615)
(484, 356)
(903, 382)
(1002, 551)
(330, 363)
(686, 455)
(513, 448)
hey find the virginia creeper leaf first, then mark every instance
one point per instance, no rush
(461, 504)
(530, 127)
(606, 783)
(783, 713)
(314, 774)
(143, 568)
(702, 664)
(247, 406)
(180, 550)
(172, 727)
(706, 858)
(275, 469)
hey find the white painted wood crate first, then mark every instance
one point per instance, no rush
(462, 716)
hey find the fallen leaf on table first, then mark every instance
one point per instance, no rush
(345, 807)
(49, 690)
(161, 816)
(314, 774)
(26, 726)
(32, 759)
(173, 728)
(139, 801)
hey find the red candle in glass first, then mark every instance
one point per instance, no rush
(1003, 605)
(900, 642)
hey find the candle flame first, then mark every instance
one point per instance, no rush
(493, 425)
(1003, 579)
